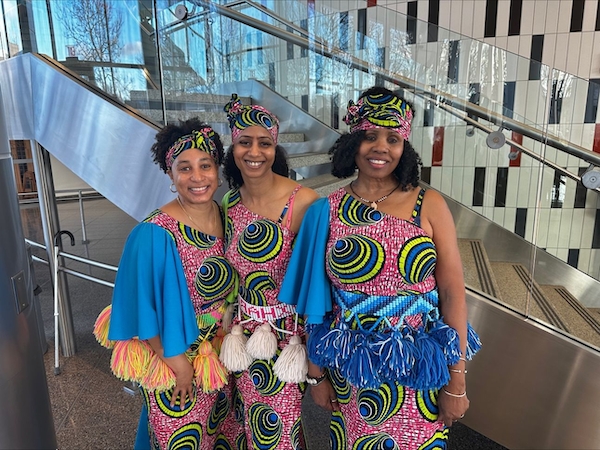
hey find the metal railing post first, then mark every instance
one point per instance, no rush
(50, 225)
(84, 239)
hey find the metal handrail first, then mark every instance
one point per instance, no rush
(337, 54)
(64, 269)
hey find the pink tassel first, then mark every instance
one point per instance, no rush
(130, 359)
(158, 375)
(210, 373)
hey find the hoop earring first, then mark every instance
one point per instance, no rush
(171, 188)
(220, 182)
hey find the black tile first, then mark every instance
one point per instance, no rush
(514, 18)
(577, 15)
(559, 186)
(272, 75)
(597, 28)
(290, 46)
(508, 100)
(501, 186)
(343, 31)
(380, 57)
(335, 111)
(491, 16)
(453, 60)
(521, 221)
(426, 174)
(573, 258)
(556, 100)
(591, 104)
(537, 46)
(411, 22)
(304, 26)
(428, 113)
(580, 192)
(479, 186)
(361, 27)
(433, 21)
(474, 96)
(596, 237)
(305, 102)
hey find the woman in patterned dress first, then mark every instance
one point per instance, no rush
(169, 298)
(264, 209)
(377, 272)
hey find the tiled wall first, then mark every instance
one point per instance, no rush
(504, 190)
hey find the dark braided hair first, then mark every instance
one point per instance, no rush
(167, 136)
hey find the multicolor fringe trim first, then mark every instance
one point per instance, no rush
(135, 360)
(101, 328)
(417, 358)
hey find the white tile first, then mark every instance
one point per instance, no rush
(561, 49)
(552, 10)
(587, 232)
(445, 9)
(549, 49)
(585, 55)
(502, 42)
(456, 181)
(576, 227)
(423, 11)
(490, 187)
(573, 52)
(455, 16)
(594, 266)
(539, 17)
(529, 225)
(510, 215)
(466, 25)
(436, 177)
(589, 15)
(584, 260)
(513, 44)
(478, 25)
(527, 14)
(523, 187)
(543, 221)
(467, 189)
(595, 69)
(525, 46)
(554, 226)
(562, 254)
(499, 216)
(587, 136)
(512, 187)
(564, 16)
(503, 17)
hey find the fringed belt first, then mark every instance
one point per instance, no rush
(265, 313)
(417, 357)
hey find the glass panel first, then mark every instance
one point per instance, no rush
(13, 32)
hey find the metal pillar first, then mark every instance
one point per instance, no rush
(26, 416)
(51, 225)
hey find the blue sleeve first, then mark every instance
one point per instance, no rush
(306, 284)
(151, 296)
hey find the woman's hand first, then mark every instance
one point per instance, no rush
(184, 373)
(324, 395)
(451, 409)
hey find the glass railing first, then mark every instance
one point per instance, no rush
(157, 60)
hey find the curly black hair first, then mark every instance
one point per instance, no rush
(343, 153)
(167, 136)
(234, 176)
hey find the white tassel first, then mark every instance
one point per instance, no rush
(263, 343)
(233, 350)
(227, 317)
(292, 364)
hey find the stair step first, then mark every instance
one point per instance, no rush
(308, 159)
(477, 269)
(515, 282)
(185, 97)
(581, 322)
(325, 184)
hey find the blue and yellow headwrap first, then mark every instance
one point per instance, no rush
(203, 140)
(380, 111)
(241, 117)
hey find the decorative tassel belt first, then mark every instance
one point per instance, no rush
(266, 313)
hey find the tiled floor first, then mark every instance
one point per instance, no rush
(91, 409)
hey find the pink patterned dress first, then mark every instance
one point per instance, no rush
(384, 345)
(266, 409)
(209, 279)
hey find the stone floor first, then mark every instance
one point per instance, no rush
(91, 409)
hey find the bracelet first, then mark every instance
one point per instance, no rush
(462, 359)
(458, 371)
(454, 395)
